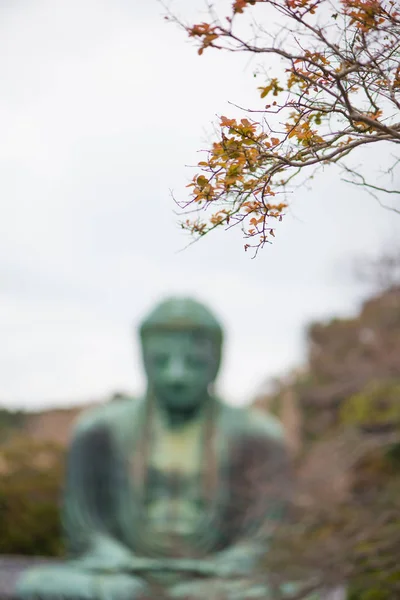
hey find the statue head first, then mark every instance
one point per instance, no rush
(181, 343)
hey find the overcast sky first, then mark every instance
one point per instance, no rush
(102, 104)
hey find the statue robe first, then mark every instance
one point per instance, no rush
(108, 486)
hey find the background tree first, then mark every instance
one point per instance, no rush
(31, 475)
(338, 89)
(345, 525)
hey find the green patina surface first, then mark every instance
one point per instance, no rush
(176, 490)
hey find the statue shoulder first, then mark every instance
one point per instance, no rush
(111, 416)
(252, 422)
(265, 424)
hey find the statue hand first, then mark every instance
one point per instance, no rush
(234, 563)
(200, 567)
(229, 570)
(106, 555)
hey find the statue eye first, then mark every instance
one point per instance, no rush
(195, 361)
(160, 360)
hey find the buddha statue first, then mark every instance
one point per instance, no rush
(172, 492)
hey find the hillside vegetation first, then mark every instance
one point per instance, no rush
(346, 518)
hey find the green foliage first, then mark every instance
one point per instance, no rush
(30, 482)
(10, 420)
(377, 405)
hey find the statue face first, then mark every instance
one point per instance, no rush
(180, 365)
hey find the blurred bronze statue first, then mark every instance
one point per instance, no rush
(177, 492)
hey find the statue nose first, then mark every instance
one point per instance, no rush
(176, 372)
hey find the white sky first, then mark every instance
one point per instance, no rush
(102, 104)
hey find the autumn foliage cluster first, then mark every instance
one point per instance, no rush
(337, 88)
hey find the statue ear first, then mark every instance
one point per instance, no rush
(211, 388)
(144, 355)
(217, 363)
